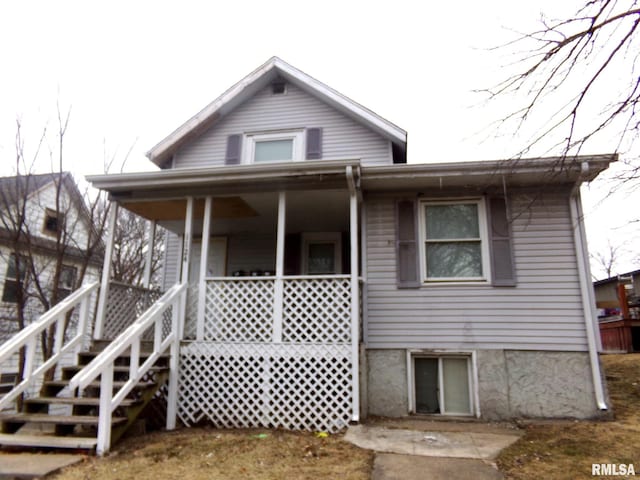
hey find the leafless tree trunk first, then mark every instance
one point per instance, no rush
(608, 258)
(52, 257)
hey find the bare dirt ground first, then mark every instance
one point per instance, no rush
(206, 453)
(566, 449)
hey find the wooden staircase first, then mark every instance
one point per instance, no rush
(60, 419)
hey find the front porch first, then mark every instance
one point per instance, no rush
(272, 316)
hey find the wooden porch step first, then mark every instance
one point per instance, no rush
(121, 372)
(82, 401)
(47, 441)
(86, 356)
(146, 346)
(57, 419)
(96, 384)
(6, 387)
(117, 369)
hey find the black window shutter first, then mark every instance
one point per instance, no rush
(314, 143)
(234, 147)
(406, 244)
(500, 243)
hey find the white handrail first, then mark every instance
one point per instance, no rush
(27, 337)
(102, 365)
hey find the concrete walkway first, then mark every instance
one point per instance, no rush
(426, 450)
(34, 465)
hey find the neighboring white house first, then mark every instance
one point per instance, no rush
(44, 218)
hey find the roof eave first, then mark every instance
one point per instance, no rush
(223, 175)
(533, 171)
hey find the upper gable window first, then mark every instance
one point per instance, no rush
(52, 221)
(274, 147)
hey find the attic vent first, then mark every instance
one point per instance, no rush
(278, 87)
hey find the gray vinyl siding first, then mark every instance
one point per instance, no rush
(171, 260)
(543, 312)
(343, 138)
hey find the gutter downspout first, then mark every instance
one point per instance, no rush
(586, 291)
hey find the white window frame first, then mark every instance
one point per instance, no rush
(472, 379)
(322, 237)
(250, 140)
(484, 241)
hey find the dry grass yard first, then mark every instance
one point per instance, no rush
(210, 454)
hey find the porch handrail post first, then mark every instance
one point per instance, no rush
(278, 292)
(355, 303)
(106, 273)
(204, 255)
(151, 237)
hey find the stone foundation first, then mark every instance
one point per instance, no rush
(510, 384)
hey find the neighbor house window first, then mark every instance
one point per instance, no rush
(52, 221)
(454, 241)
(274, 147)
(442, 385)
(14, 278)
(66, 281)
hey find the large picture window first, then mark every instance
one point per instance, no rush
(454, 241)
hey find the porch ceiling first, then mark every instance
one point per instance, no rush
(166, 210)
(306, 211)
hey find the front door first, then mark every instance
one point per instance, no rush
(321, 253)
(216, 263)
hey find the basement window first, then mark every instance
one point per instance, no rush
(442, 385)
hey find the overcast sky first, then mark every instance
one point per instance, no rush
(131, 72)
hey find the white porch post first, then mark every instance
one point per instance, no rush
(278, 294)
(151, 237)
(174, 364)
(187, 241)
(204, 255)
(355, 296)
(106, 274)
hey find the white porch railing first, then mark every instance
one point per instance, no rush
(315, 309)
(258, 363)
(103, 364)
(29, 336)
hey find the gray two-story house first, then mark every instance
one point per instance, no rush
(327, 279)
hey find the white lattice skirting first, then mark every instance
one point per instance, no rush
(296, 387)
